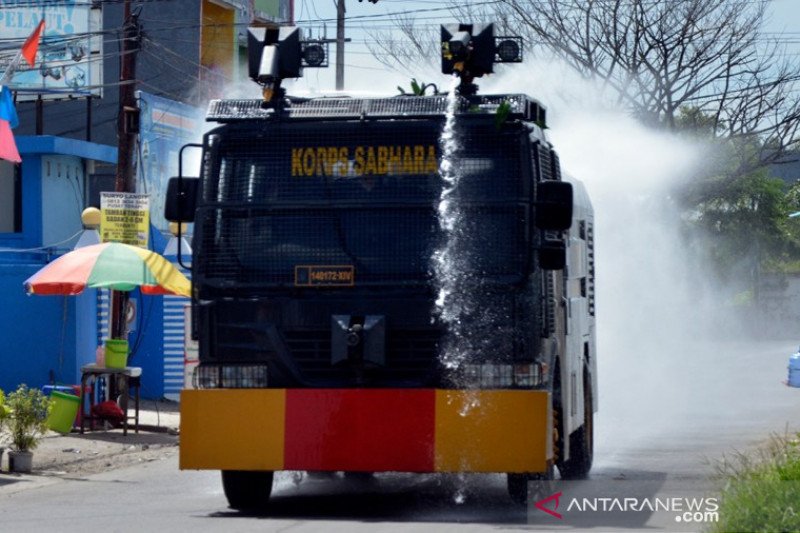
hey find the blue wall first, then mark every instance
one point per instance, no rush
(147, 347)
(45, 339)
(147, 341)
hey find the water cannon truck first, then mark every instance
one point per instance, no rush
(322, 344)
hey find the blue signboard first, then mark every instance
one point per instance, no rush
(165, 126)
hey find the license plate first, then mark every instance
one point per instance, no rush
(324, 276)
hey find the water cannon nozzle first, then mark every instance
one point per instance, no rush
(471, 51)
(459, 45)
(275, 54)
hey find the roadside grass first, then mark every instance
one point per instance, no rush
(761, 491)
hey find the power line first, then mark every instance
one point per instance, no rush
(182, 58)
(8, 5)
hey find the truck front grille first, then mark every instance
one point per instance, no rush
(411, 356)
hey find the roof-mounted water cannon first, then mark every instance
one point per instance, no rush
(471, 50)
(274, 54)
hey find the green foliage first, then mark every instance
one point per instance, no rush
(501, 115)
(793, 198)
(762, 492)
(4, 412)
(746, 218)
(27, 419)
(742, 211)
(695, 121)
(418, 89)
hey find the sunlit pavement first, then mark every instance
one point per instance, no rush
(659, 432)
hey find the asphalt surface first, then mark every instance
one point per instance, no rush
(664, 424)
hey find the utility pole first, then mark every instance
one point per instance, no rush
(127, 125)
(340, 10)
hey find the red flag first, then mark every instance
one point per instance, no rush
(8, 148)
(31, 45)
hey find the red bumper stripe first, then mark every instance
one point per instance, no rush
(360, 430)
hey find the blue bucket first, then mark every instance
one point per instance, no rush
(794, 370)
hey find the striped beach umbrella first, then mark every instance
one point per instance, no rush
(110, 265)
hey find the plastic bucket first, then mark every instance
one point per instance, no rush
(50, 389)
(74, 390)
(116, 353)
(794, 370)
(63, 412)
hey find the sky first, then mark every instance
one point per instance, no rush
(364, 73)
(362, 70)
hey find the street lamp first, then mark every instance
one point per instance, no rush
(90, 218)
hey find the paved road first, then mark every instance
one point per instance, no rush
(663, 420)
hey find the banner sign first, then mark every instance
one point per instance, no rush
(69, 63)
(125, 218)
(165, 126)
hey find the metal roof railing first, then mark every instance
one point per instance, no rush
(519, 106)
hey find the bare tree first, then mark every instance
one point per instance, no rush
(418, 44)
(664, 60)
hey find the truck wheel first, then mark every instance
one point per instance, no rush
(526, 488)
(360, 477)
(246, 490)
(581, 442)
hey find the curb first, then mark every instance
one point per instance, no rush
(148, 428)
(155, 429)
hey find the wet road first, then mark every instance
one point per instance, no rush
(663, 423)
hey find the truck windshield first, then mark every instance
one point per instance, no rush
(356, 203)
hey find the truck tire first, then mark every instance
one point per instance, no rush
(581, 442)
(246, 490)
(360, 477)
(527, 488)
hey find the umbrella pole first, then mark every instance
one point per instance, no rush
(117, 326)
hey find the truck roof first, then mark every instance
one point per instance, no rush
(398, 107)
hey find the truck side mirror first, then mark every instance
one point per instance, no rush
(552, 255)
(553, 205)
(181, 199)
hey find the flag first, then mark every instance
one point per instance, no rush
(7, 110)
(8, 113)
(8, 148)
(8, 120)
(28, 51)
(31, 45)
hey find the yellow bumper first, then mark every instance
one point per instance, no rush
(369, 430)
